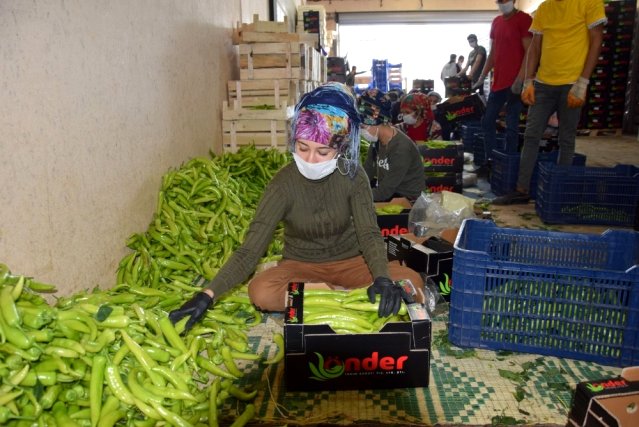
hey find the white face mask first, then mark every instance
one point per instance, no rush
(369, 136)
(473, 44)
(315, 171)
(409, 119)
(506, 8)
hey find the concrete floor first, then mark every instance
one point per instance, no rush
(600, 151)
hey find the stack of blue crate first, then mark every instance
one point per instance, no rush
(380, 74)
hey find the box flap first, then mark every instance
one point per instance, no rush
(614, 411)
(630, 373)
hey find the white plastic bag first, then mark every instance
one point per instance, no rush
(434, 212)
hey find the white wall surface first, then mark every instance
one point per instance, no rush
(99, 98)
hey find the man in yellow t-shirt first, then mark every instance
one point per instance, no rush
(567, 39)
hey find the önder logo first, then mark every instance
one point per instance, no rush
(394, 230)
(440, 161)
(463, 111)
(291, 314)
(606, 385)
(334, 367)
(441, 187)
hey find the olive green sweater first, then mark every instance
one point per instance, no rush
(325, 220)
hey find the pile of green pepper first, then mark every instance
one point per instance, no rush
(203, 210)
(105, 358)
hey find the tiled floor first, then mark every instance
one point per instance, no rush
(600, 151)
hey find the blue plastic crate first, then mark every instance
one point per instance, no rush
(479, 153)
(588, 195)
(553, 293)
(505, 170)
(480, 149)
(467, 134)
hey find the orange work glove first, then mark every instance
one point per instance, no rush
(577, 94)
(528, 92)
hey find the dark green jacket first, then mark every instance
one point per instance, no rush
(397, 167)
(326, 220)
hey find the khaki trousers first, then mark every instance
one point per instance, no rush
(267, 289)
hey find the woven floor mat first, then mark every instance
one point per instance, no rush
(467, 387)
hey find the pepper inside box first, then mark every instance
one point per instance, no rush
(317, 358)
(442, 156)
(395, 223)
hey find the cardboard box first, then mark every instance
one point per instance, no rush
(444, 181)
(432, 256)
(398, 356)
(610, 402)
(394, 223)
(460, 109)
(442, 156)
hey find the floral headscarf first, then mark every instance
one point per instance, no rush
(328, 116)
(417, 102)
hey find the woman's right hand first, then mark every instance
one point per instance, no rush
(391, 296)
(195, 307)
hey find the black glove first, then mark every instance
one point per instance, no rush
(391, 296)
(195, 307)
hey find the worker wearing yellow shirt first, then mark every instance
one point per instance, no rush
(566, 42)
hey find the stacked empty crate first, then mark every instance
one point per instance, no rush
(423, 85)
(312, 20)
(380, 74)
(276, 68)
(395, 76)
(605, 105)
(336, 69)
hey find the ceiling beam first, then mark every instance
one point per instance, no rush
(338, 6)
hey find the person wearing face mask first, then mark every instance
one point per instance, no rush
(564, 50)
(510, 39)
(417, 117)
(325, 202)
(393, 162)
(476, 61)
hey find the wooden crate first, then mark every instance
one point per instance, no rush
(258, 26)
(290, 60)
(262, 128)
(266, 26)
(268, 32)
(251, 93)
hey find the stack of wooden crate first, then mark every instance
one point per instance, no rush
(276, 68)
(312, 20)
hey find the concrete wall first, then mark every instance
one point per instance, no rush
(99, 98)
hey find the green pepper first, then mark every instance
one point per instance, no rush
(15, 335)
(116, 385)
(96, 387)
(143, 358)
